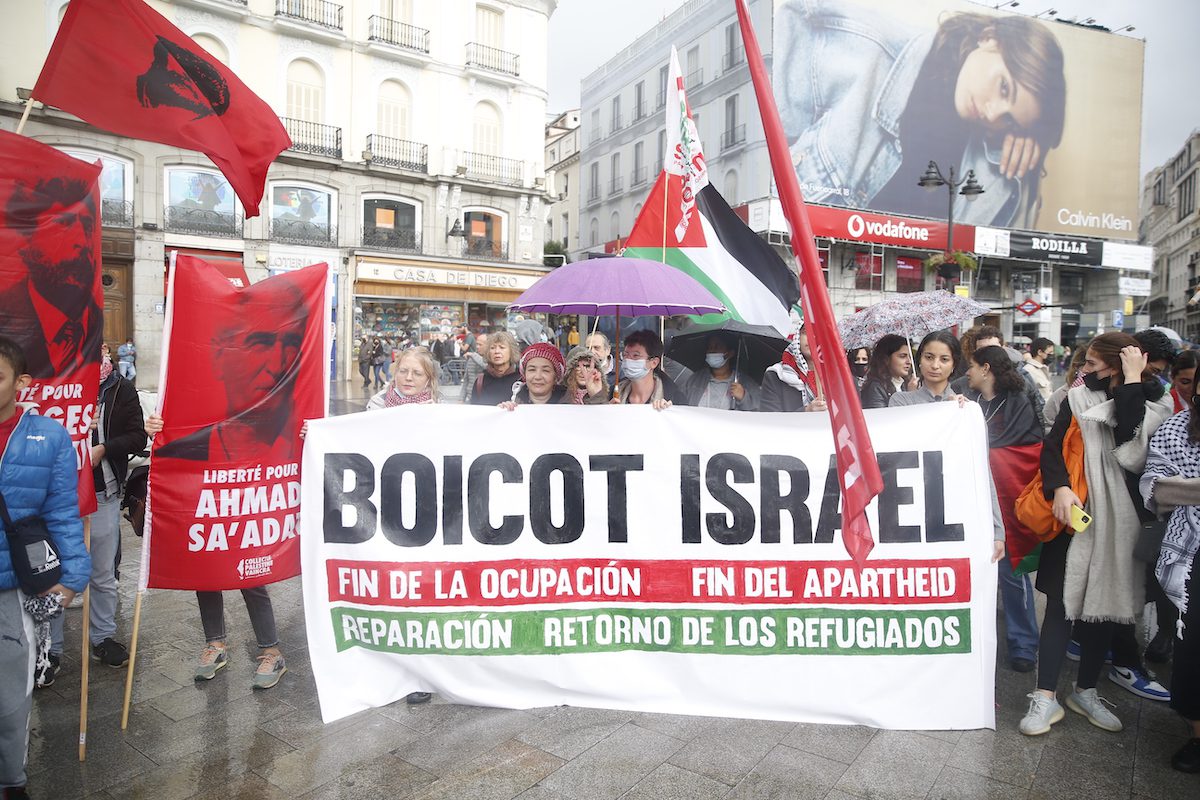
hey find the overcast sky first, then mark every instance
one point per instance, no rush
(586, 33)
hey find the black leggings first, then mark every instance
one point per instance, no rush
(1185, 671)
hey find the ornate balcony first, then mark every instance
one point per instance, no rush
(317, 12)
(314, 138)
(389, 239)
(401, 153)
(398, 34)
(492, 169)
(484, 248)
(492, 59)
(203, 222)
(116, 213)
(296, 231)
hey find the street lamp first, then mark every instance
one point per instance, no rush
(967, 186)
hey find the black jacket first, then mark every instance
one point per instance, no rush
(775, 395)
(876, 393)
(492, 391)
(123, 426)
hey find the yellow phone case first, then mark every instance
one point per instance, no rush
(1080, 519)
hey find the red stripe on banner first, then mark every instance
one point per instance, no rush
(858, 471)
(418, 584)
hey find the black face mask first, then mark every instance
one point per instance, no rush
(858, 370)
(1095, 382)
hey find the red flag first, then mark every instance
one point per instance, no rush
(122, 66)
(858, 471)
(244, 369)
(51, 300)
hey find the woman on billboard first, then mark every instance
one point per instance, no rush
(868, 101)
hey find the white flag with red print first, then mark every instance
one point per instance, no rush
(685, 157)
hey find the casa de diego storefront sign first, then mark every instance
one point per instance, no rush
(441, 275)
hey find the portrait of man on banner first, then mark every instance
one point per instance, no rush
(53, 311)
(244, 369)
(51, 299)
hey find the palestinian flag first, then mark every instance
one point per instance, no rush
(1012, 469)
(685, 223)
(730, 260)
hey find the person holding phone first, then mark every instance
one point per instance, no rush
(1090, 578)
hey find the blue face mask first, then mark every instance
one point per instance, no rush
(634, 368)
(716, 360)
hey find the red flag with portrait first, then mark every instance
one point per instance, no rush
(51, 300)
(123, 67)
(243, 369)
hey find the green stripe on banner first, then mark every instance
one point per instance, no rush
(808, 631)
(686, 265)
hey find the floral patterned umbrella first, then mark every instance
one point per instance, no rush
(911, 315)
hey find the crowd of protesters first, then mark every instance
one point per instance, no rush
(1126, 421)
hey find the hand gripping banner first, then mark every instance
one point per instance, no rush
(244, 368)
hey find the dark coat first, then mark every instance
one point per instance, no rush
(124, 427)
(775, 395)
(19, 321)
(876, 393)
(492, 391)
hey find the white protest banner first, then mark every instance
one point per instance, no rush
(684, 561)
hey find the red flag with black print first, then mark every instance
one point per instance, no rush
(121, 66)
(51, 299)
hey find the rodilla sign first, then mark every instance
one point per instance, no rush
(626, 558)
(865, 226)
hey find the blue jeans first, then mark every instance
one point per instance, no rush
(1020, 617)
(102, 607)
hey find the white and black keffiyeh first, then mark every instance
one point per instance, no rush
(1171, 455)
(42, 609)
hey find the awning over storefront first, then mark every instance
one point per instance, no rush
(228, 262)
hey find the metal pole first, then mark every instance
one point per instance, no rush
(950, 187)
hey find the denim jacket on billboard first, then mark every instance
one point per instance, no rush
(842, 79)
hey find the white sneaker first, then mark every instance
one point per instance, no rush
(1092, 706)
(1043, 712)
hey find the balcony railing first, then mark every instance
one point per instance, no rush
(297, 231)
(733, 58)
(485, 248)
(116, 213)
(400, 34)
(593, 192)
(733, 137)
(616, 124)
(493, 169)
(638, 177)
(318, 12)
(694, 78)
(616, 186)
(660, 100)
(313, 137)
(389, 152)
(490, 58)
(204, 222)
(639, 111)
(389, 239)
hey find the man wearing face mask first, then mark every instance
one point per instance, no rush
(718, 386)
(641, 379)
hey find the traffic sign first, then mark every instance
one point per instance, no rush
(1029, 307)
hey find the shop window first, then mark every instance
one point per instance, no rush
(392, 224)
(405, 323)
(302, 215)
(201, 202)
(484, 235)
(1070, 287)
(910, 274)
(868, 272)
(116, 181)
(987, 284)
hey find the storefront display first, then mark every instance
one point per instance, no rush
(405, 322)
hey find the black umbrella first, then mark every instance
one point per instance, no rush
(756, 346)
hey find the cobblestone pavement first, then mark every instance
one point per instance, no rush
(222, 740)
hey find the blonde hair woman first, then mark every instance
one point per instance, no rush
(414, 381)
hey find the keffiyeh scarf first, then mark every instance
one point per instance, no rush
(393, 397)
(1170, 455)
(42, 610)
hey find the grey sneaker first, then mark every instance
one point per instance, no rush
(212, 659)
(1043, 712)
(270, 669)
(1092, 706)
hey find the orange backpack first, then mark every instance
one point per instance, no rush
(1033, 509)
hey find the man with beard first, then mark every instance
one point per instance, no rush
(53, 314)
(257, 360)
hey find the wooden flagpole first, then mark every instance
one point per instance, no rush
(86, 656)
(25, 113)
(137, 622)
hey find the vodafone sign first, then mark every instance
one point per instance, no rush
(865, 226)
